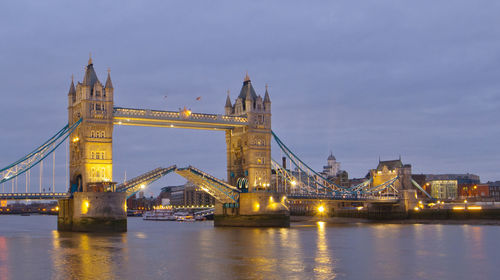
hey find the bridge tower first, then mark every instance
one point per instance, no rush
(249, 148)
(91, 151)
(94, 205)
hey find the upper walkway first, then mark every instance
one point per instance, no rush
(182, 119)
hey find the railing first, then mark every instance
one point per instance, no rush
(20, 196)
(129, 112)
(134, 185)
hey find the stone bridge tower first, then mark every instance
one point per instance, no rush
(91, 153)
(249, 148)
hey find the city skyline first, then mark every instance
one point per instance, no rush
(362, 86)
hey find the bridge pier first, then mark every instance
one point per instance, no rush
(253, 210)
(93, 212)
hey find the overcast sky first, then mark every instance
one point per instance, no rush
(362, 79)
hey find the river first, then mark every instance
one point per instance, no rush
(31, 248)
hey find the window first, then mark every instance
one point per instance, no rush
(92, 134)
(92, 155)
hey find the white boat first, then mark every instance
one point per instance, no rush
(160, 215)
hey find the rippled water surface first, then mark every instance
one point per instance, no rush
(30, 248)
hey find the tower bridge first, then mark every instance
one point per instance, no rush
(246, 198)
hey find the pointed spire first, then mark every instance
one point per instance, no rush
(228, 100)
(90, 77)
(109, 84)
(90, 58)
(266, 96)
(72, 90)
(247, 78)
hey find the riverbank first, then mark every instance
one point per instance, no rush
(298, 220)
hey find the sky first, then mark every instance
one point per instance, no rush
(362, 79)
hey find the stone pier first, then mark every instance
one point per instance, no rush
(254, 210)
(93, 212)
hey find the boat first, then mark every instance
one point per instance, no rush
(159, 215)
(184, 217)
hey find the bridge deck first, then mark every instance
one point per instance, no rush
(34, 196)
(182, 119)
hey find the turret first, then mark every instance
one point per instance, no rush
(71, 92)
(228, 108)
(267, 101)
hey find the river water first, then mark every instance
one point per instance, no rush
(31, 248)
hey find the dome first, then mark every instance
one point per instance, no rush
(331, 157)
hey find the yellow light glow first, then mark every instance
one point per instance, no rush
(256, 207)
(143, 186)
(474, 208)
(76, 139)
(359, 208)
(271, 199)
(458, 208)
(294, 183)
(125, 207)
(57, 208)
(85, 206)
(465, 201)
(416, 208)
(321, 209)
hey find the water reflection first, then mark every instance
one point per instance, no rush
(323, 268)
(86, 256)
(200, 251)
(4, 256)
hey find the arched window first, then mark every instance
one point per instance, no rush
(92, 134)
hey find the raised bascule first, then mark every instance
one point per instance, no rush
(250, 196)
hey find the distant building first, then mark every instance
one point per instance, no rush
(444, 189)
(332, 167)
(467, 178)
(479, 191)
(494, 190)
(187, 195)
(333, 172)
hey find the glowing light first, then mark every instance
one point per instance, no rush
(465, 201)
(143, 186)
(458, 208)
(294, 183)
(416, 208)
(474, 208)
(256, 207)
(271, 199)
(76, 139)
(359, 208)
(321, 209)
(85, 206)
(57, 208)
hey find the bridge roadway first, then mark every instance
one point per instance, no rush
(182, 119)
(34, 196)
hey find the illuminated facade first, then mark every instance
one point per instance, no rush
(390, 169)
(444, 189)
(249, 148)
(91, 150)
